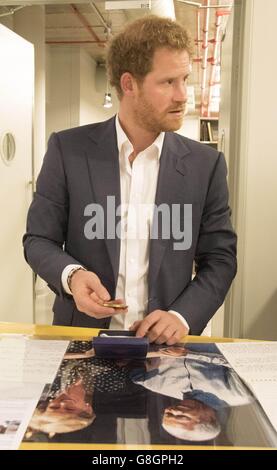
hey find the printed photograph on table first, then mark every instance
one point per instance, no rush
(179, 395)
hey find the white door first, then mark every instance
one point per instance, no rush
(16, 103)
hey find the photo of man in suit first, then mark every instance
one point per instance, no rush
(204, 387)
(134, 168)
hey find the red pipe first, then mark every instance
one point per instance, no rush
(198, 41)
(223, 13)
(205, 47)
(214, 59)
(216, 51)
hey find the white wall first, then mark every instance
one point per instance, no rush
(190, 128)
(74, 96)
(63, 88)
(254, 299)
(92, 90)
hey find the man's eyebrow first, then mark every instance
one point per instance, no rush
(174, 78)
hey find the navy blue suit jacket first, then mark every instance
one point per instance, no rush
(81, 166)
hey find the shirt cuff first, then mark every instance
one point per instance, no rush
(185, 323)
(65, 275)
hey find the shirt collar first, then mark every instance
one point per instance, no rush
(122, 139)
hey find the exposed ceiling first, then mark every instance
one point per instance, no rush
(88, 24)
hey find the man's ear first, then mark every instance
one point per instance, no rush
(128, 84)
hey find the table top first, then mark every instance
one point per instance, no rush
(67, 333)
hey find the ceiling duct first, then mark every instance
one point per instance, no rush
(128, 5)
(156, 7)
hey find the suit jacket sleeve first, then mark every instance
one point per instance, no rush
(47, 220)
(215, 256)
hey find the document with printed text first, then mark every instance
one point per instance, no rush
(256, 364)
(26, 365)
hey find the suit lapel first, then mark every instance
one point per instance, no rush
(103, 164)
(171, 189)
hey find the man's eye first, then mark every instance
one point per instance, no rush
(169, 82)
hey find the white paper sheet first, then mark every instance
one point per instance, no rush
(16, 413)
(26, 365)
(24, 359)
(256, 364)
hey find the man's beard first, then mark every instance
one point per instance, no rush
(147, 118)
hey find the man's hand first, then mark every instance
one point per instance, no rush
(160, 327)
(89, 295)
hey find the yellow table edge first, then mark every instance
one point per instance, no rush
(76, 332)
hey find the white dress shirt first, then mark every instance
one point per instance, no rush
(138, 182)
(175, 377)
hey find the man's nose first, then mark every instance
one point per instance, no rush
(180, 93)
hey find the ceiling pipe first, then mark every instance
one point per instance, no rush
(198, 41)
(12, 11)
(205, 47)
(100, 16)
(76, 42)
(66, 28)
(86, 25)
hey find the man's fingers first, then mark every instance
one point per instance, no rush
(95, 284)
(147, 323)
(119, 301)
(169, 336)
(175, 338)
(161, 327)
(95, 297)
(93, 308)
(90, 294)
(135, 325)
(157, 331)
(88, 302)
(89, 281)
